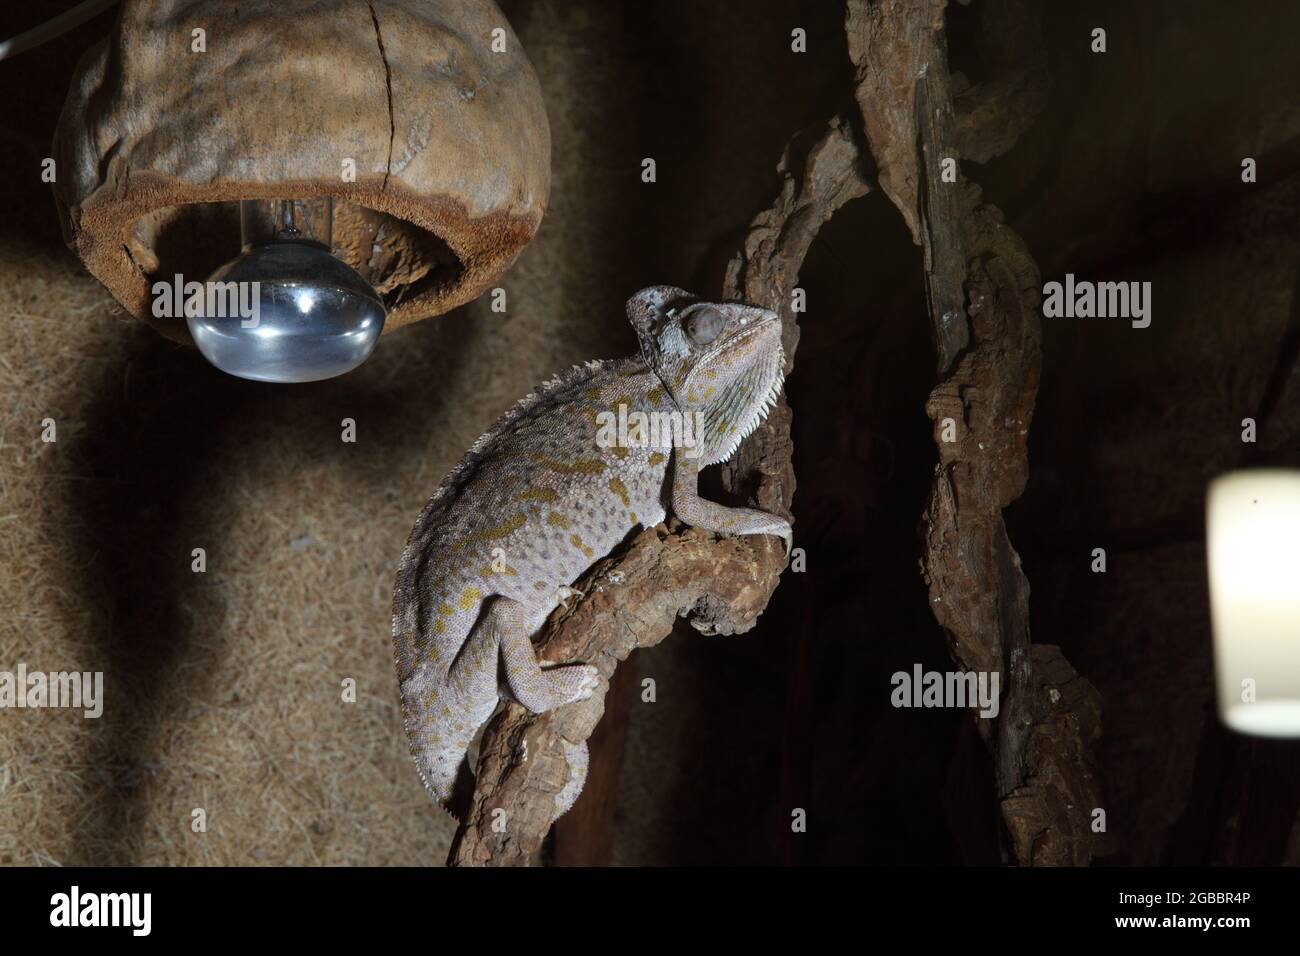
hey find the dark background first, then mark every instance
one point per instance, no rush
(1132, 172)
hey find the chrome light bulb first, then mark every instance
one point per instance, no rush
(308, 315)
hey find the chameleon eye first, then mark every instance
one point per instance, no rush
(704, 325)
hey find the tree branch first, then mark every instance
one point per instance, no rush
(983, 297)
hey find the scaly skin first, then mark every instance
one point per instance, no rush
(548, 491)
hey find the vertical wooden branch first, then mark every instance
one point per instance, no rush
(821, 170)
(983, 297)
(632, 599)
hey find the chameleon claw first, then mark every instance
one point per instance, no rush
(782, 529)
(564, 592)
(587, 683)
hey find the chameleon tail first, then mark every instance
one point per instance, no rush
(444, 706)
(576, 755)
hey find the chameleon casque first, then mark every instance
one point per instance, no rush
(546, 493)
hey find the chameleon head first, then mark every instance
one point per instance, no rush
(721, 362)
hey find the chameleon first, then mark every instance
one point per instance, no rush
(557, 483)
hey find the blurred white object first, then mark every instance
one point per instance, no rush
(1253, 543)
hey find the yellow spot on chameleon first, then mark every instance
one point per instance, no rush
(439, 627)
(557, 520)
(619, 452)
(549, 495)
(581, 466)
(577, 543)
(620, 489)
(632, 515)
(445, 610)
(593, 393)
(468, 598)
(503, 530)
(655, 458)
(655, 394)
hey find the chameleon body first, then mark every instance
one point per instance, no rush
(551, 488)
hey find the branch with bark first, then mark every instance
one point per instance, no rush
(983, 296)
